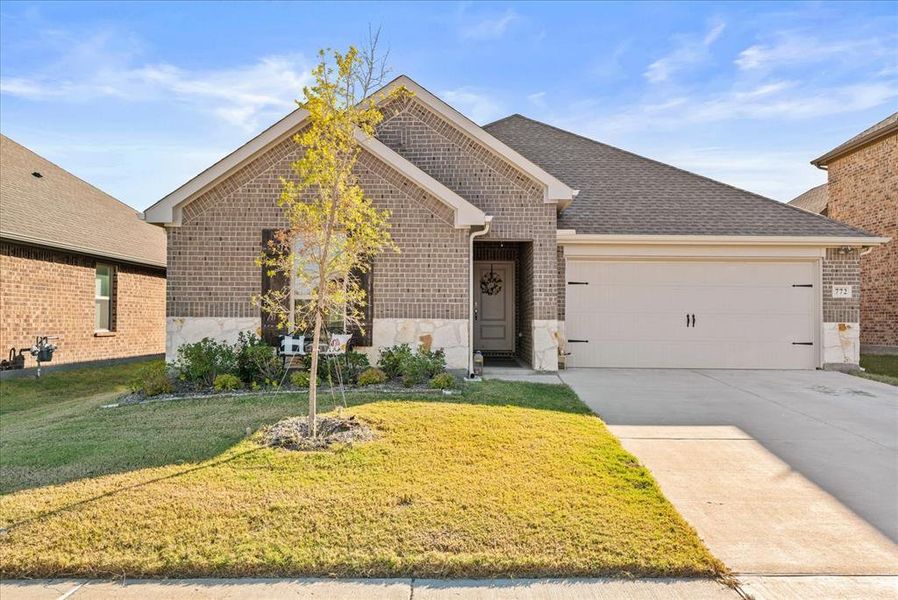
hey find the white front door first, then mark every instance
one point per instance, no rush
(692, 314)
(494, 306)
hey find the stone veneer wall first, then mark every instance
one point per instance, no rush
(841, 316)
(50, 292)
(477, 174)
(863, 192)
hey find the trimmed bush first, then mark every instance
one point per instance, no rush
(351, 364)
(205, 360)
(300, 379)
(227, 382)
(152, 380)
(257, 362)
(434, 361)
(413, 367)
(391, 359)
(372, 376)
(442, 381)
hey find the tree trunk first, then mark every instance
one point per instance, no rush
(313, 378)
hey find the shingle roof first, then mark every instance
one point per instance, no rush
(622, 193)
(60, 210)
(886, 127)
(814, 200)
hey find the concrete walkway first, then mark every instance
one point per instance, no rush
(782, 473)
(370, 589)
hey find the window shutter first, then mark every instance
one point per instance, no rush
(270, 329)
(366, 282)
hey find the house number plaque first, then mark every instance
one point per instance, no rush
(842, 291)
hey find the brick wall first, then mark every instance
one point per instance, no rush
(484, 179)
(841, 269)
(48, 292)
(212, 270)
(863, 192)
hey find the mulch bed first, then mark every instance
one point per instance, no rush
(293, 433)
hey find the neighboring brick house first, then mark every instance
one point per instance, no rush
(862, 191)
(75, 264)
(601, 256)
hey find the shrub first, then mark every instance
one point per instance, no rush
(391, 359)
(442, 381)
(372, 376)
(300, 379)
(227, 382)
(257, 362)
(351, 364)
(435, 361)
(205, 360)
(152, 380)
(414, 369)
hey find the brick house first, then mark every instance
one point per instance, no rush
(528, 242)
(76, 265)
(862, 191)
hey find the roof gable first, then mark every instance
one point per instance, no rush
(622, 193)
(60, 210)
(555, 190)
(814, 200)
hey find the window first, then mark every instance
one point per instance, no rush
(302, 293)
(103, 298)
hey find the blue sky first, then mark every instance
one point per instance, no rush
(138, 98)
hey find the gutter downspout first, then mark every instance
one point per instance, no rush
(486, 229)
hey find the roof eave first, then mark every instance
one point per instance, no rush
(842, 150)
(78, 249)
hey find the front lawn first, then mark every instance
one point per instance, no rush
(881, 367)
(508, 479)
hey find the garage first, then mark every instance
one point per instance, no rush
(696, 313)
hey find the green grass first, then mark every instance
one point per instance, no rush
(508, 479)
(880, 367)
(56, 387)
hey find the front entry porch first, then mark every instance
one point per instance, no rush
(502, 285)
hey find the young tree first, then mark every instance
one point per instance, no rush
(334, 229)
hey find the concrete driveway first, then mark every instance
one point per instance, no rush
(781, 472)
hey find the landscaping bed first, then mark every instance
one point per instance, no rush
(500, 479)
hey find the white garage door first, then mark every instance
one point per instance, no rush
(691, 314)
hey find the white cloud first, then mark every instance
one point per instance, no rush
(688, 52)
(538, 99)
(478, 106)
(489, 28)
(779, 100)
(243, 96)
(793, 48)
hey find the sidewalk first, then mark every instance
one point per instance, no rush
(369, 589)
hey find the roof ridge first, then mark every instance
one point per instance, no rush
(669, 166)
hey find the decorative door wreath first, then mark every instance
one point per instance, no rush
(491, 283)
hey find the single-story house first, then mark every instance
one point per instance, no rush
(522, 240)
(77, 265)
(862, 191)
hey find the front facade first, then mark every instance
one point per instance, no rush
(77, 266)
(862, 191)
(500, 252)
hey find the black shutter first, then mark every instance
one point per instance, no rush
(270, 329)
(362, 336)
